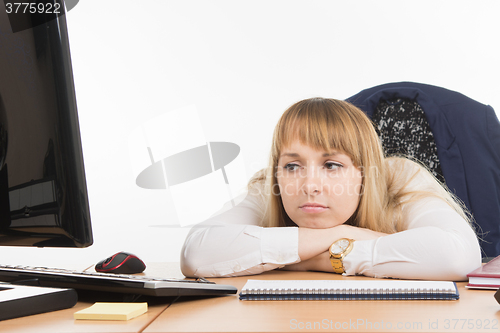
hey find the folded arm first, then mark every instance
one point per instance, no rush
(232, 243)
(438, 245)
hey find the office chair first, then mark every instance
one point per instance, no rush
(456, 137)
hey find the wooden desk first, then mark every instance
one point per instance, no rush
(228, 314)
(475, 310)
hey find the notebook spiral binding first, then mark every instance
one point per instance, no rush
(347, 294)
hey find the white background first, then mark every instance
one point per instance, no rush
(241, 64)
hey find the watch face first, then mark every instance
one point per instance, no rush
(339, 246)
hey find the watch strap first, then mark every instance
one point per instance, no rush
(338, 265)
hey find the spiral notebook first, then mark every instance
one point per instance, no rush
(255, 290)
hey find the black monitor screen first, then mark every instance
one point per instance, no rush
(43, 195)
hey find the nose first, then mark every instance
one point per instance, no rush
(312, 182)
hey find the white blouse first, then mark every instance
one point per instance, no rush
(437, 244)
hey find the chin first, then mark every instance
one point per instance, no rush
(317, 224)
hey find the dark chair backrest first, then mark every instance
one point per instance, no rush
(456, 137)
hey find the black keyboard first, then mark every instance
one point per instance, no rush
(108, 282)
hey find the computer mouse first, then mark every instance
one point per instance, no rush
(121, 263)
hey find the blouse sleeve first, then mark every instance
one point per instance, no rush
(232, 243)
(438, 244)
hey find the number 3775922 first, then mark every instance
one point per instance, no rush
(32, 8)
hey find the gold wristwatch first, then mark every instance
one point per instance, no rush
(338, 250)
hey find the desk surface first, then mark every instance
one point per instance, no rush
(476, 311)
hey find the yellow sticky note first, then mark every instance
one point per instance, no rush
(112, 311)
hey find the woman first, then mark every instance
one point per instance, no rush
(328, 185)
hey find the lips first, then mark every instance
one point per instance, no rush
(311, 207)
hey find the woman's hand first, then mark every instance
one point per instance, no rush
(315, 243)
(357, 233)
(319, 263)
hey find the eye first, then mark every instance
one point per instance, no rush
(292, 167)
(333, 165)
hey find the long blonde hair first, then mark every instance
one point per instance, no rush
(330, 124)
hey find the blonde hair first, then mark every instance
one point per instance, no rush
(330, 124)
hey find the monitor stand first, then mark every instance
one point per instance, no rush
(18, 301)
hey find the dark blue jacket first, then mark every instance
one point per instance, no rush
(467, 135)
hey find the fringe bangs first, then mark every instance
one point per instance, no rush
(317, 123)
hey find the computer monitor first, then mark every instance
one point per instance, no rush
(43, 194)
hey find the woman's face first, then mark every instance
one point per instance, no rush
(319, 189)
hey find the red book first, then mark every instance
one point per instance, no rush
(486, 276)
